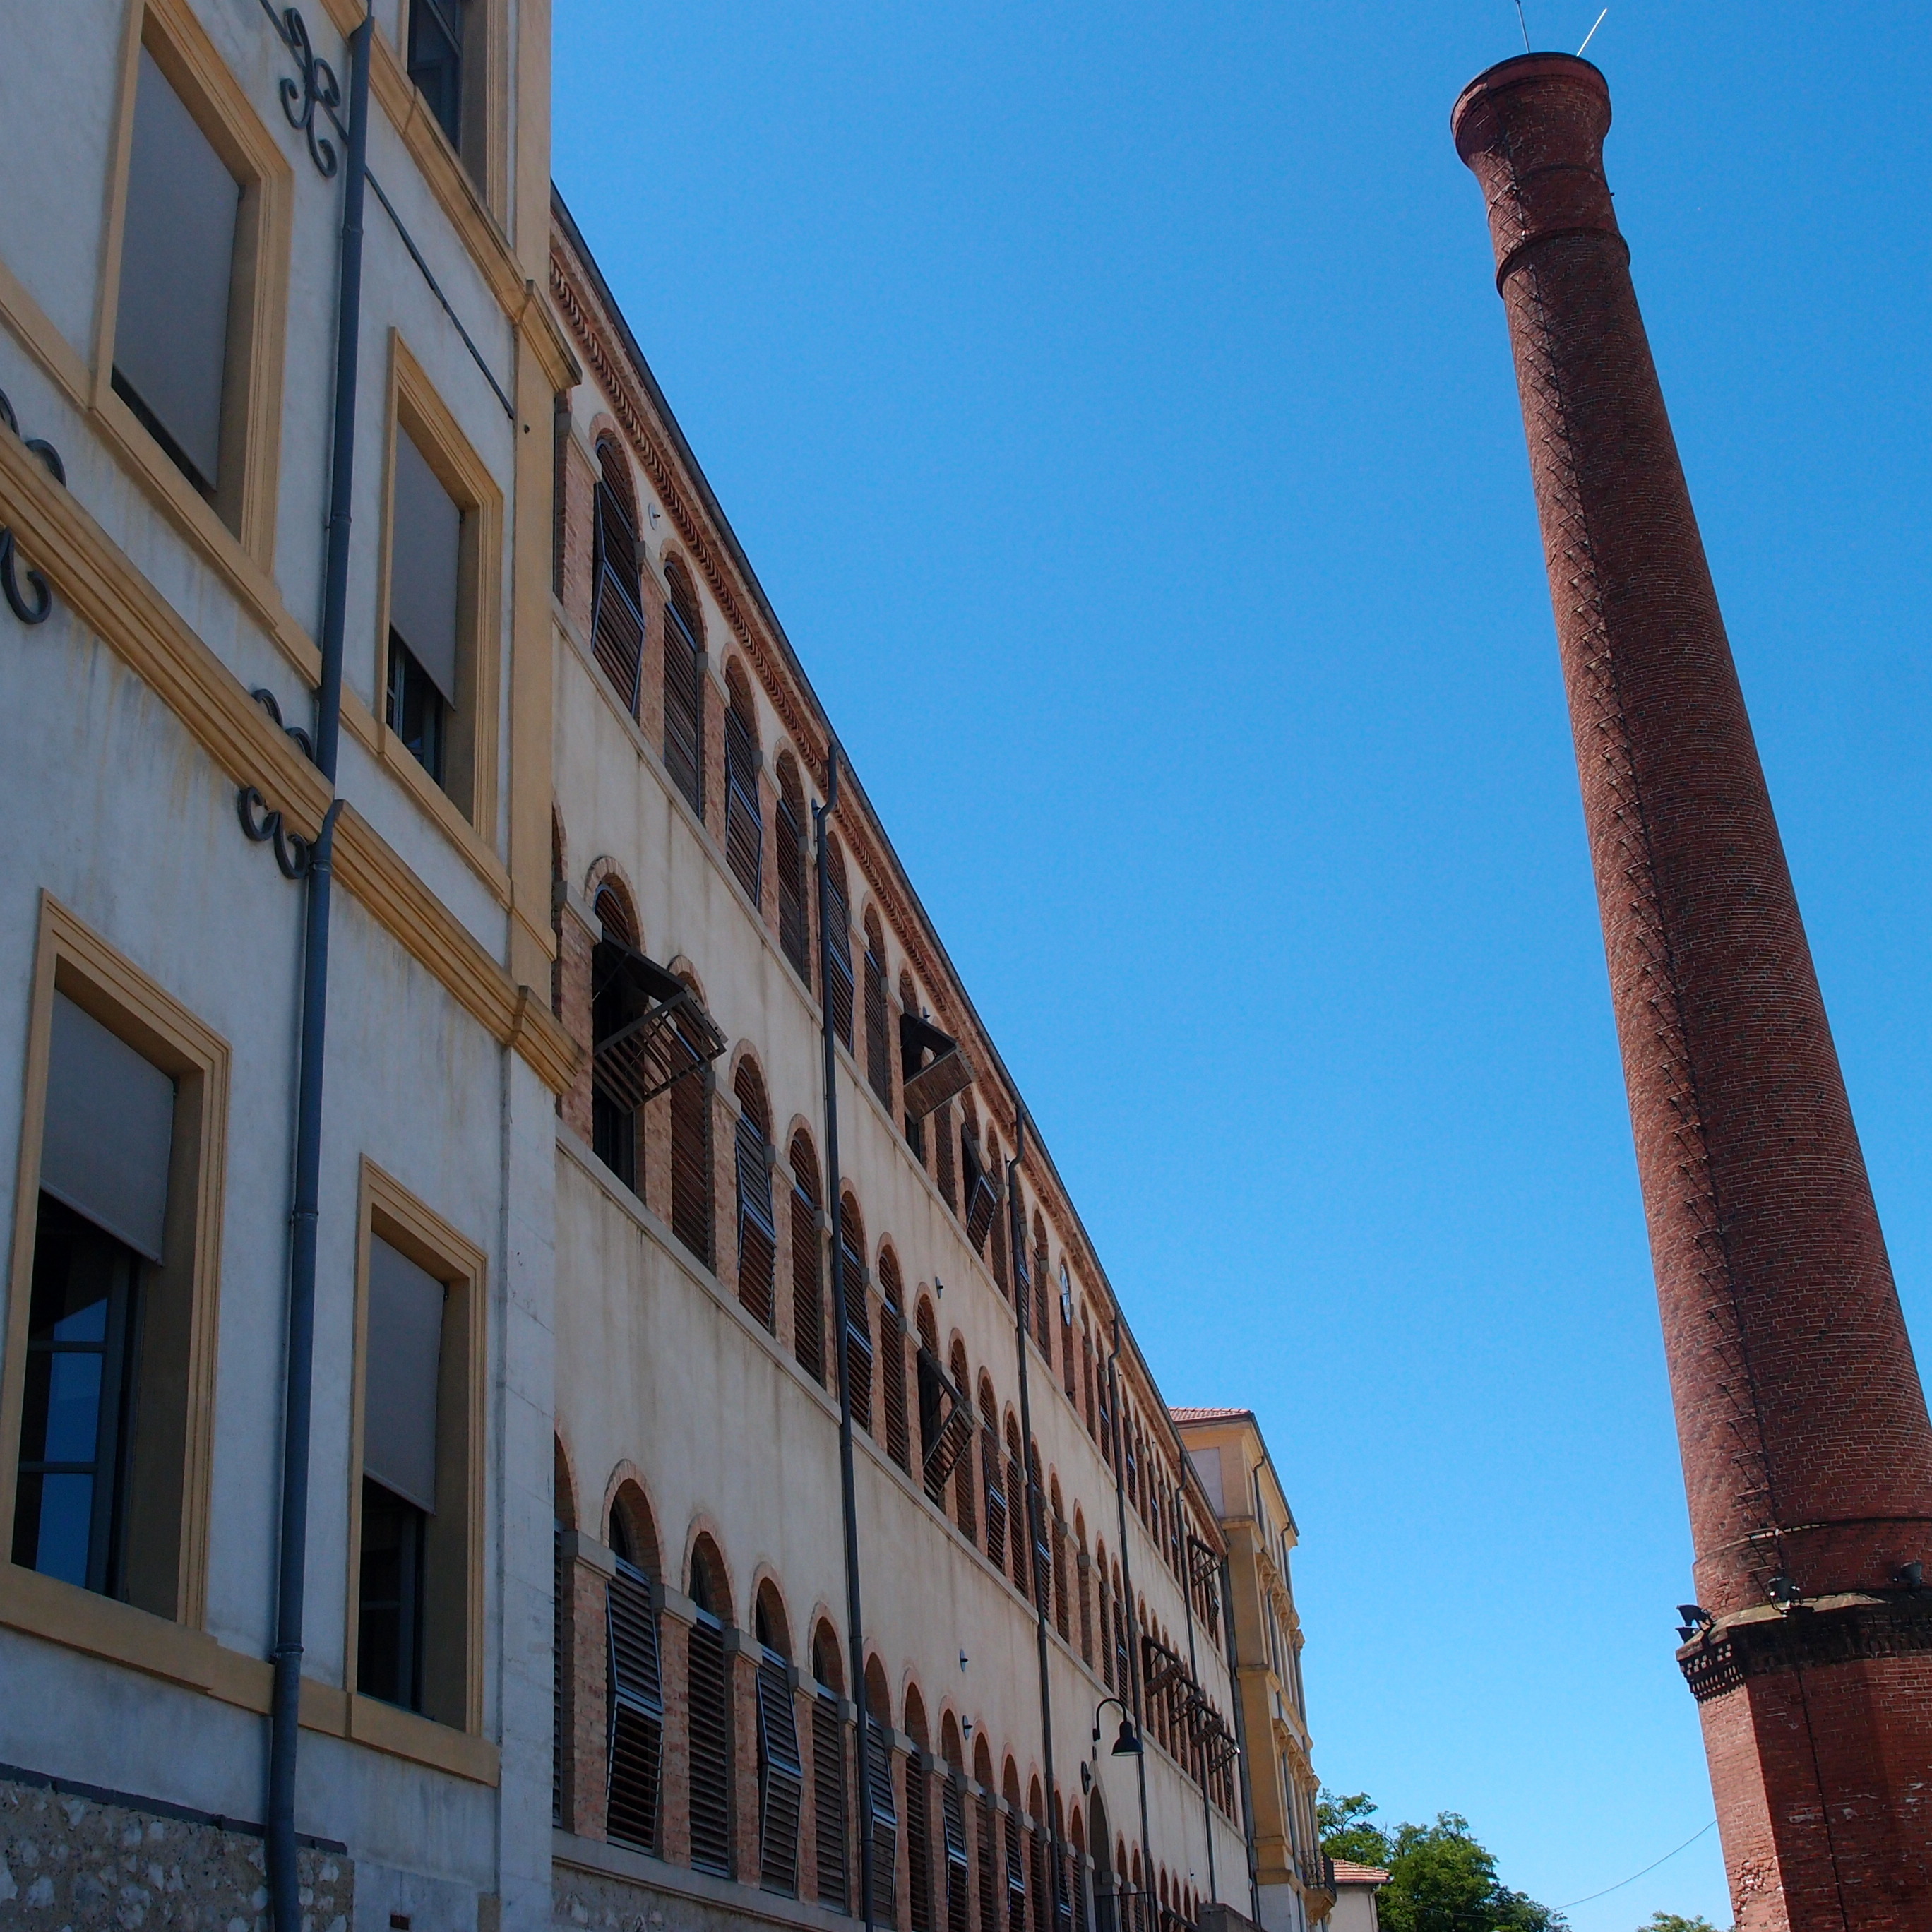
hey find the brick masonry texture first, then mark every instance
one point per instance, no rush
(68, 1861)
(1800, 1415)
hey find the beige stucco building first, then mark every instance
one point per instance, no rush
(510, 1353)
(1294, 1878)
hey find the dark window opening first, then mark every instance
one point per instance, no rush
(389, 1646)
(417, 713)
(436, 60)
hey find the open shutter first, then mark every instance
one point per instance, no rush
(616, 607)
(1061, 1619)
(1020, 1534)
(952, 1816)
(945, 1425)
(794, 939)
(892, 1368)
(636, 1718)
(837, 940)
(858, 1357)
(885, 1821)
(878, 1037)
(690, 1153)
(828, 1795)
(710, 1718)
(781, 1778)
(684, 707)
(996, 1500)
(981, 1198)
(757, 1228)
(919, 1841)
(744, 820)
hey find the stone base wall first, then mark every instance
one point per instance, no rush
(73, 1864)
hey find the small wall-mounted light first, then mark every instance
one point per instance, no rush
(966, 1728)
(962, 1659)
(1086, 1778)
(1783, 1590)
(938, 1287)
(1909, 1575)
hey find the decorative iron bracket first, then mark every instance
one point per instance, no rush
(35, 604)
(294, 854)
(317, 87)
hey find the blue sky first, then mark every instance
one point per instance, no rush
(1116, 404)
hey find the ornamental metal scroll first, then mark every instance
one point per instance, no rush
(35, 604)
(317, 87)
(294, 854)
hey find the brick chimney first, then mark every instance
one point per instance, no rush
(1808, 1456)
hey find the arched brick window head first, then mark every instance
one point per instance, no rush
(808, 1292)
(684, 689)
(744, 816)
(758, 1226)
(878, 1030)
(794, 927)
(613, 1126)
(617, 599)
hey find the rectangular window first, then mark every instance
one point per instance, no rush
(416, 1588)
(441, 597)
(190, 377)
(109, 1350)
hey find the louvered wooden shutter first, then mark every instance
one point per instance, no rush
(1063, 1897)
(1061, 1618)
(942, 1148)
(837, 940)
(1016, 1903)
(858, 1356)
(616, 607)
(807, 1297)
(781, 1779)
(710, 1721)
(1036, 1873)
(918, 1842)
(959, 1892)
(878, 1049)
(1020, 1537)
(560, 1670)
(965, 1483)
(794, 933)
(757, 1228)
(981, 1200)
(828, 1794)
(1086, 1609)
(690, 1153)
(1124, 1679)
(989, 1885)
(996, 1500)
(684, 707)
(636, 1715)
(893, 1368)
(744, 820)
(1106, 1642)
(885, 1821)
(1068, 1379)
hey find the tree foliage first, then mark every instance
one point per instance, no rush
(1441, 1879)
(1676, 1922)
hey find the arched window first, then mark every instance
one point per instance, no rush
(794, 927)
(1070, 1380)
(808, 1293)
(891, 1364)
(996, 1221)
(915, 1127)
(708, 1682)
(1083, 1568)
(965, 1509)
(994, 1472)
(617, 599)
(758, 1227)
(744, 817)
(781, 1769)
(613, 1124)
(837, 940)
(952, 1819)
(828, 1770)
(1019, 1537)
(690, 1144)
(634, 1697)
(918, 1817)
(1016, 1860)
(884, 1810)
(858, 1355)
(878, 1031)
(684, 689)
(1086, 1375)
(1061, 1622)
(1041, 1531)
(988, 1837)
(1036, 1875)
(1042, 1282)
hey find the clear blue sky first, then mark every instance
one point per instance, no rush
(1116, 404)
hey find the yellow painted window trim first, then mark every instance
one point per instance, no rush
(386, 1208)
(69, 957)
(104, 591)
(96, 1626)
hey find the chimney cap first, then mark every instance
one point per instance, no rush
(1521, 70)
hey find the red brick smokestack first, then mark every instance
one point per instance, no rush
(1808, 1456)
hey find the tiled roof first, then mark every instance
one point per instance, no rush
(1348, 1873)
(1208, 1414)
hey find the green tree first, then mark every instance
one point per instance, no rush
(1676, 1922)
(1441, 1879)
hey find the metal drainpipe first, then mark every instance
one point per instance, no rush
(1241, 1740)
(1194, 1670)
(285, 1700)
(1133, 1619)
(1036, 1502)
(855, 1626)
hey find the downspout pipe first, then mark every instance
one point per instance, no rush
(1036, 1502)
(285, 1699)
(1188, 1545)
(1133, 1616)
(1241, 1740)
(855, 1622)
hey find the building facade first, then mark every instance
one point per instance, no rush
(1294, 1879)
(553, 1462)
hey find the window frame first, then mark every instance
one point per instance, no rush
(73, 959)
(242, 515)
(465, 803)
(385, 1208)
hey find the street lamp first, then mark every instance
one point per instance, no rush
(1128, 1744)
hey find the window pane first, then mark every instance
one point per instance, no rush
(425, 545)
(399, 1375)
(416, 712)
(436, 59)
(388, 1653)
(177, 256)
(52, 1522)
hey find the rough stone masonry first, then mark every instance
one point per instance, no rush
(1808, 1455)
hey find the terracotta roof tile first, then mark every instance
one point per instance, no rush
(1348, 1873)
(1208, 1414)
